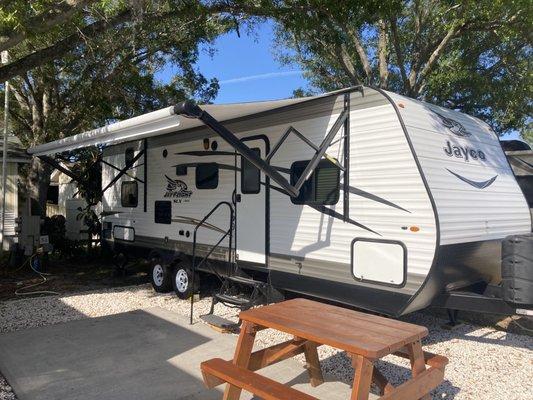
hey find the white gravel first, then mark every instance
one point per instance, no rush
(484, 363)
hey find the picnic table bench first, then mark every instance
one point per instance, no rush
(364, 337)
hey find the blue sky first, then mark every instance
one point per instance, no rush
(248, 71)
(246, 68)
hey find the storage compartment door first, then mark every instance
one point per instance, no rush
(379, 261)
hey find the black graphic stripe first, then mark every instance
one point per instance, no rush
(221, 166)
(335, 214)
(370, 196)
(110, 212)
(282, 169)
(476, 184)
(194, 221)
(328, 211)
(206, 153)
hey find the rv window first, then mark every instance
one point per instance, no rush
(207, 176)
(250, 175)
(163, 212)
(53, 195)
(129, 156)
(129, 194)
(322, 188)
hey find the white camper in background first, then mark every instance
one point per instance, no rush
(359, 196)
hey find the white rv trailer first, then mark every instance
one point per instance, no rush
(359, 196)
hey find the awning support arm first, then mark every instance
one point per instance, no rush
(57, 165)
(123, 170)
(191, 110)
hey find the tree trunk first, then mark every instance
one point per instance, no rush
(38, 181)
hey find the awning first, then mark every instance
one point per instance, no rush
(158, 123)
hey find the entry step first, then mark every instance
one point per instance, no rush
(237, 301)
(220, 323)
(245, 281)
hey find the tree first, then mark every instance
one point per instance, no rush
(68, 24)
(108, 78)
(471, 56)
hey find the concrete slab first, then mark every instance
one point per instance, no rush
(144, 354)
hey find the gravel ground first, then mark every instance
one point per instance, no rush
(484, 363)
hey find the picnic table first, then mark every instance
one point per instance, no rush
(365, 337)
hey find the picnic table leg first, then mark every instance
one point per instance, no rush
(362, 377)
(381, 382)
(313, 364)
(418, 363)
(241, 357)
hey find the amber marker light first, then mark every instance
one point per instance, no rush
(414, 228)
(401, 105)
(206, 144)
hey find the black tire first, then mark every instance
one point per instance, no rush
(160, 276)
(181, 281)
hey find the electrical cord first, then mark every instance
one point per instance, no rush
(43, 275)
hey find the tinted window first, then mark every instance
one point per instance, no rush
(53, 195)
(250, 175)
(129, 156)
(163, 212)
(207, 176)
(129, 194)
(322, 187)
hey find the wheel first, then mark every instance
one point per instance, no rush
(160, 276)
(181, 282)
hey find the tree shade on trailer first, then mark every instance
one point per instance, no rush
(360, 196)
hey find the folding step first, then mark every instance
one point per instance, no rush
(236, 301)
(220, 323)
(245, 281)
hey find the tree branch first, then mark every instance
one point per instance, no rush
(399, 54)
(383, 54)
(361, 52)
(63, 12)
(60, 48)
(434, 57)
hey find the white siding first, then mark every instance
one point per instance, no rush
(11, 198)
(466, 213)
(381, 165)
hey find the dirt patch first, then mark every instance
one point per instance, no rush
(77, 274)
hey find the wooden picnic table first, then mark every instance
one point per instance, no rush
(365, 337)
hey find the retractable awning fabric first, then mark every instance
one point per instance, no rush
(158, 123)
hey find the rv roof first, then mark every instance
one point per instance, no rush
(160, 122)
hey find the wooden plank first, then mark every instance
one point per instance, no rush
(313, 364)
(340, 320)
(276, 353)
(357, 342)
(354, 339)
(241, 357)
(254, 383)
(362, 377)
(327, 309)
(418, 387)
(431, 359)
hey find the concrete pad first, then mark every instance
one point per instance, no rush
(144, 354)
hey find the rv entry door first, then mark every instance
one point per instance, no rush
(251, 210)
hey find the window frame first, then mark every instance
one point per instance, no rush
(244, 162)
(129, 183)
(204, 165)
(312, 181)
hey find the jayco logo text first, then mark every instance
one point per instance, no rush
(466, 153)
